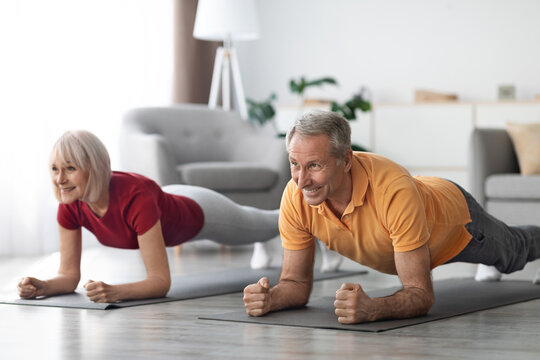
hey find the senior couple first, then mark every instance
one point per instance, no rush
(361, 205)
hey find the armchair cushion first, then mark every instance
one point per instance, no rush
(513, 186)
(224, 176)
(526, 140)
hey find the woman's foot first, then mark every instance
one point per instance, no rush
(487, 273)
(536, 279)
(261, 257)
(331, 260)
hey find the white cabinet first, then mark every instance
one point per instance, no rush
(423, 135)
(498, 114)
(430, 140)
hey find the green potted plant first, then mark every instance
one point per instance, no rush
(261, 112)
(359, 101)
(299, 87)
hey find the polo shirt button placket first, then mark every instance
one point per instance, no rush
(345, 221)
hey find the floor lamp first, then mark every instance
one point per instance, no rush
(228, 21)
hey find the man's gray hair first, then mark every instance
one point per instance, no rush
(318, 122)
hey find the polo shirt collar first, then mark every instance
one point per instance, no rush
(359, 185)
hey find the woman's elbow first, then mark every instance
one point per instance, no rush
(164, 287)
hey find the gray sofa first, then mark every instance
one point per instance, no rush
(496, 182)
(191, 144)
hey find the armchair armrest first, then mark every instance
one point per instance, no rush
(148, 155)
(491, 152)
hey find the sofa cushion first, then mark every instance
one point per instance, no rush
(513, 186)
(228, 176)
(515, 212)
(526, 140)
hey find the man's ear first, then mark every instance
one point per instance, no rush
(348, 160)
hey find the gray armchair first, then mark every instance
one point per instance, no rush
(496, 182)
(191, 144)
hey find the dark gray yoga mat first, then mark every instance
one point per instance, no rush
(182, 287)
(452, 297)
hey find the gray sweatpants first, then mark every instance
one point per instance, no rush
(227, 222)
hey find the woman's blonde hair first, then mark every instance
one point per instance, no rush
(84, 150)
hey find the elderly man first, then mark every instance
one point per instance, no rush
(374, 212)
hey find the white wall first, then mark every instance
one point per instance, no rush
(468, 47)
(70, 64)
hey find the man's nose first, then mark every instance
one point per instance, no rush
(302, 178)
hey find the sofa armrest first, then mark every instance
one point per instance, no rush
(491, 152)
(148, 155)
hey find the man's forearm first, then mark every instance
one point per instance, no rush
(406, 303)
(289, 294)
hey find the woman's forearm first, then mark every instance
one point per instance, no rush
(151, 287)
(61, 284)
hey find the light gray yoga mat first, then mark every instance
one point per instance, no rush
(182, 288)
(452, 297)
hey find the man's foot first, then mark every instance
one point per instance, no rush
(261, 257)
(487, 273)
(536, 279)
(331, 260)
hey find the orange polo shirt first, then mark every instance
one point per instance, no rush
(390, 211)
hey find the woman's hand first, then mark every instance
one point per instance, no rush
(69, 272)
(100, 292)
(31, 288)
(158, 278)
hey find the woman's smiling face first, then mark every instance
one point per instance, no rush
(69, 179)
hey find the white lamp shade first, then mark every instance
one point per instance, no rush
(219, 20)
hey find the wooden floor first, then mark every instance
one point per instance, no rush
(173, 331)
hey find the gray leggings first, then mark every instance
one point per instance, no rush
(494, 243)
(227, 222)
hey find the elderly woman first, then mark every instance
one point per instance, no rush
(129, 211)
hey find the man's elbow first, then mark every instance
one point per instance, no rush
(303, 299)
(303, 295)
(427, 303)
(425, 309)
(420, 301)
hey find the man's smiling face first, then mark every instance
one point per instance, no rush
(318, 174)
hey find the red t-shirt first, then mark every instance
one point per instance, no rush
(136, 203)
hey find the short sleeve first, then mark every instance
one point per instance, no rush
(67, 216)
(293, 222)
(405, 215)
(143, 210)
